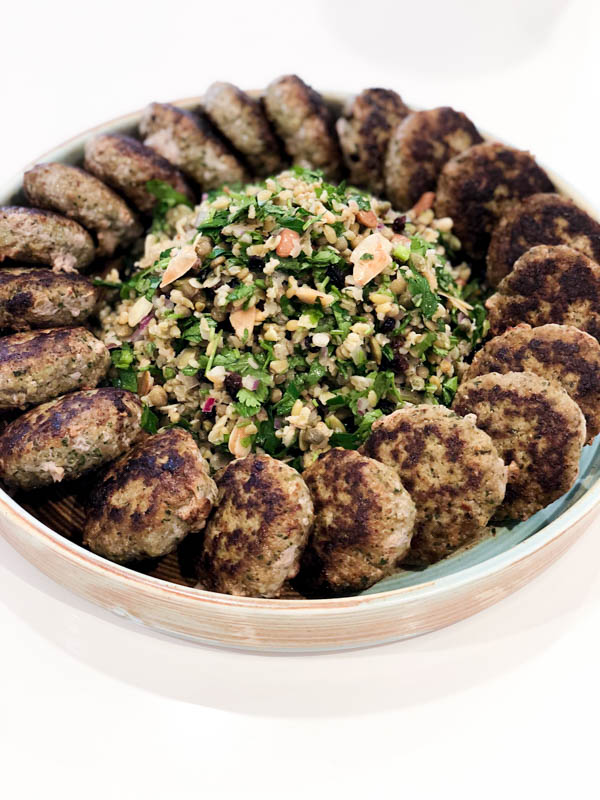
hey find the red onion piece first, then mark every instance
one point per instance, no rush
(362, 404)
(208, 405)
(137, 334)
(277, 423)
(251, 383)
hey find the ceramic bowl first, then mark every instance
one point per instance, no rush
(45, 529)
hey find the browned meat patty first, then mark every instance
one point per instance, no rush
(36, 366)
(364, 130)
(419, 148)
(363, 524)
(451, 469)
(188, 141)
(538, 430)
(82, 197)
(479, 185)
(548, 284)
(241, 119)
(127, 165)
(66, 438)
(255, 537)
(560, 353)
(150, 500)
(43, 237)
(540, 219)
(40, 298)
(304, 124)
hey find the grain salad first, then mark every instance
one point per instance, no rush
(285, 316)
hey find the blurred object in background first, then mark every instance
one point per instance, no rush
(481, 36)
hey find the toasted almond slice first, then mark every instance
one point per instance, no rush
(367, 218)
(145, 383)
(289, 244)
(179, 265)
(236, 448)
(423, 203)
(138, 311)
(242, 321)
(462, 305)
(365, 269)
(431, 278)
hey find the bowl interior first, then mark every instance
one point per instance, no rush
(61, 508)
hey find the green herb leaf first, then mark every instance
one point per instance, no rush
(426, 300)
(291, 394)
(166, 198)
(149, 420)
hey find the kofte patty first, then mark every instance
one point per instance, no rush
(451, 469)
(255, 537)
(188, 141)
(241, 119)
(304, 124)
(36, 366)
(150, 499)
(66, 438)
(480, 184)
(37, 236)
(548, 284)
(540, 219)
(39, 298)
(419, 148)
(560, 353)
(364, 130)
(82, 197)
(363, 524)
(538, 430)
(127, 165)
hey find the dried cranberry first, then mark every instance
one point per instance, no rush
(398, 224)
(400, 362)
(233, 383)
(336, 275)
(387, 325)
(254, 262)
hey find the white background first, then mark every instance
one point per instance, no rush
(504, 704)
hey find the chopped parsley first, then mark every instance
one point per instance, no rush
(166, 198)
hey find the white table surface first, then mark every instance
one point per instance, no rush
(503, 704)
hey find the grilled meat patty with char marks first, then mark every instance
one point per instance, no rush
(419, 148)
(538, 430)
(241, 119)
(452, 470)
(363, 524)
(67, 437)
(560, 353)
(540, 219)
(364, 130)
(480, 184)
(36, 366)
(548, 284)
(39, 298)
(150, 499)
(127, 165)
(188, 141)
(82, 197)
(304, 124)
(260, 526)
(37, 236)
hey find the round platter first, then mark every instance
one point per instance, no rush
(44, 527)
